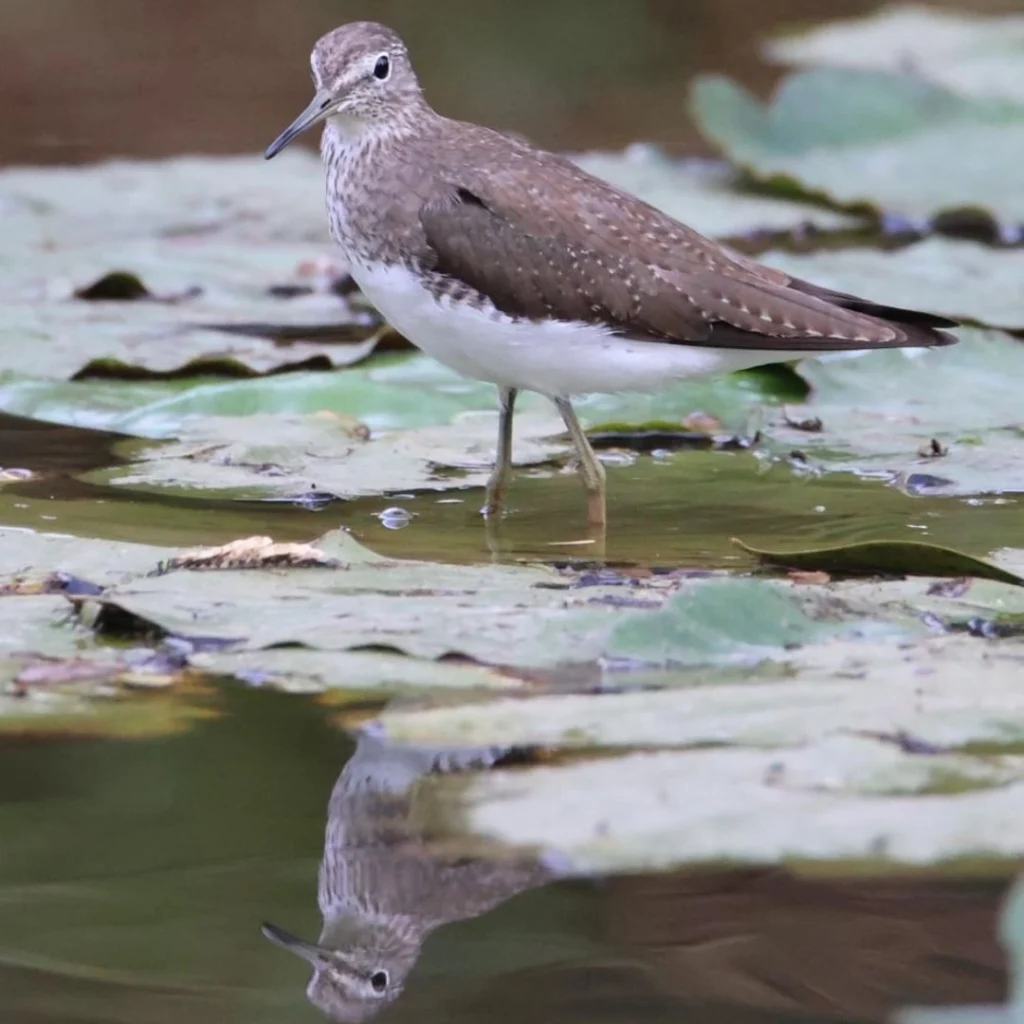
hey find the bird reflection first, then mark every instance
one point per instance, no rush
(382, 890)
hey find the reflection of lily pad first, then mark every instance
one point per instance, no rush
(885, 140)
(973, 54)
(962, 280)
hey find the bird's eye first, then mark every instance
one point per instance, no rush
(379, 981)
(381, 70)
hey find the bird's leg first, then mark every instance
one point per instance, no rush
(498, 483)
(591, 469)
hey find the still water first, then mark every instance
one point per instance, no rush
(136, 875)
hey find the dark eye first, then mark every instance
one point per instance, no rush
(381, 70)
(379, 980)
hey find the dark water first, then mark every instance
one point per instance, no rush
(135, 877)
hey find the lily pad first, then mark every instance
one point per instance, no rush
(263, 456)
(909, 696)
(962, 280)
(704, 195)
(880, 557)
(973, 54)
(942, 421)
(873, 140)
(838, 802)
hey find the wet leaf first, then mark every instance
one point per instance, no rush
(908, 695)
(839, 802)
(962, 280)
(731, 621)
(261, 456)
(970, 53)
(880, 411)
(871, 139)
(885, 557)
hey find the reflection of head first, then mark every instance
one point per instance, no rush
(382, 891)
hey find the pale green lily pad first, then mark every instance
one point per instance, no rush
(958, 279)
(891, 690)
(887, 141)
(60, 337)
(230, 228)
(392, 392)
(703, 195)
(242, 198)
(973, 54)
(725, 621)
(881, 412)
(310, 671)
(264, 456)
(837, 800)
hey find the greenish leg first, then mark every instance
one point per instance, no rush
(498, 483)
(591, 469)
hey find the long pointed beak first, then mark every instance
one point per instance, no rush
(318, 109)
(307, 950)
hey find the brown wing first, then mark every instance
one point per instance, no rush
(581, 250)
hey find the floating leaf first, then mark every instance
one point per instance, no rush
(970, 53)
(888, 141)
(962, 280)
(704, 195)
(882, 557)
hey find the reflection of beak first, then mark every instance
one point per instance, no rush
(313, 114)
(310, 953)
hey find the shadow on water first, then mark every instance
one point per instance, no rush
(681, 510)
(135, 877)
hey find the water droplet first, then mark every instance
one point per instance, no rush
(394, 518)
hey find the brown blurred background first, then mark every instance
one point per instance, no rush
(81, 80)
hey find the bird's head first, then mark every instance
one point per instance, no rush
(363, 79)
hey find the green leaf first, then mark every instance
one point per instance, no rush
(882, 557)
(884, 141)
(735, 620)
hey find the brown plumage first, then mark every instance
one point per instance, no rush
(607, 257)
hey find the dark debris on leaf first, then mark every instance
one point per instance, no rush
(117, 286)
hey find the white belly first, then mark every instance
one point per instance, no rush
(560, 359)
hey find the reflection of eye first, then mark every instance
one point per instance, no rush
(379, 981)
(381, 70)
